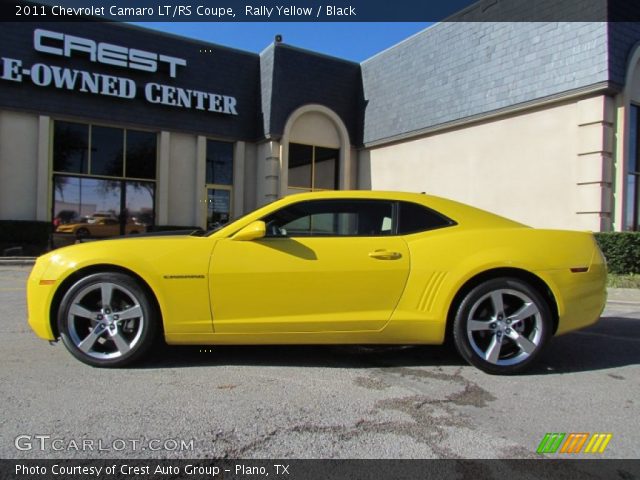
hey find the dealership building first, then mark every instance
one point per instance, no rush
(537, 121)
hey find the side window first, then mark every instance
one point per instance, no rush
(414, 218)
(331, 218)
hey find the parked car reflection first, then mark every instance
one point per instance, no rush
(100, 226)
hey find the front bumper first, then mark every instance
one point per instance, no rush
(39, 297)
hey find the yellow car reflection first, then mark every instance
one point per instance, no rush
(99, 227)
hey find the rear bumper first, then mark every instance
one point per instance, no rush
(581, 297)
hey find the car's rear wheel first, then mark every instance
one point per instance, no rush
(502, 325)
(107, 320)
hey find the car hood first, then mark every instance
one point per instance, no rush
(153, 253)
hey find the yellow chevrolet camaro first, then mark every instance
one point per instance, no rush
(339, 267)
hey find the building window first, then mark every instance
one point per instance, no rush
(103, 179)
(219, 183)
(633, 172)
(313, 168)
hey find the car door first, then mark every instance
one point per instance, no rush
(324, 266)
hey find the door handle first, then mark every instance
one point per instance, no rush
(385, 255)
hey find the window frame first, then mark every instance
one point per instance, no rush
(122, 179)
(90, 126)
(312, 187)
(396, 206)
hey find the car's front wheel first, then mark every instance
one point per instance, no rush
(502, 325)
(107, 320)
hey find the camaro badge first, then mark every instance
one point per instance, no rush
(182, 277)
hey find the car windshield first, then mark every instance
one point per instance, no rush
(211, 231)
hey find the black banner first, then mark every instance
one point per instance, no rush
(136, 469)
(321, 10)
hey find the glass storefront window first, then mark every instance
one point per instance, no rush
(70, 147)
(92, 207)
(107, 146)
(313, 168)
(218, 207)
(141, 154)
(139, 201)
(219, 179)
(325, 172)
(300, 166)
(219, 169)
(103, 181)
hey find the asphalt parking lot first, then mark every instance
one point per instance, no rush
(314, 402)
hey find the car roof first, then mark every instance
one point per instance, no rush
(462, 214)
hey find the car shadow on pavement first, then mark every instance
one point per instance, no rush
(613, 342)
(326, 356)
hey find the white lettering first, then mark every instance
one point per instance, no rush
(200, 96)
(64, 78)
(22, 443)
(11, 69)
(39, 34)
(230, 105)
(141, 60)
(173, 63)
(151, 92)
(41, 75)
(185, 98)
(112, 55)
(79, 44)
(89, 82)
(168, 95)
(215, 102)
(61, 44)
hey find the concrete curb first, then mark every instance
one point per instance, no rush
(16, 261)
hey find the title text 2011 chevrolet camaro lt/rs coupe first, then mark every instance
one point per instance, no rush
(326, 268)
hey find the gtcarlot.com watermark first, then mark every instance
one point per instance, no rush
(44, 442)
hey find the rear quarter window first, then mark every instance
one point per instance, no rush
(413, 218)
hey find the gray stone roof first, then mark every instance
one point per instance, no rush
(292, 77)
(623, 36)
(456, 70)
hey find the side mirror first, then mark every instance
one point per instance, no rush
(253, 231)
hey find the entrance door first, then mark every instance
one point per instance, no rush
(218, 207)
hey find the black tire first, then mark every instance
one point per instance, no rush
(107, 320)
(82, 233)
(502, 325)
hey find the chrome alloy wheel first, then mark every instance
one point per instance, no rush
(105, 320)
(504, 327)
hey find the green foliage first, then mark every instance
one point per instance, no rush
(623, 281)
(622, 251)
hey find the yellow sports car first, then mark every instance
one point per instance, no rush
(338, 267)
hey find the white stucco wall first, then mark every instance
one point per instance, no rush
(536, 167)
